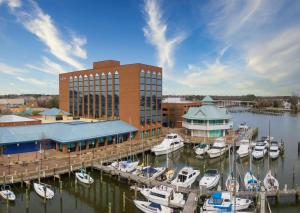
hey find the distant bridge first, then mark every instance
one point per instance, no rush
(231, 103)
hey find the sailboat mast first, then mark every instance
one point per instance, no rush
(40, 163)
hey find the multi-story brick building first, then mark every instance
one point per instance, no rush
(108, 91)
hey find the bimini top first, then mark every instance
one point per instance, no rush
(208, 111)
(63, 132)
(53, 112)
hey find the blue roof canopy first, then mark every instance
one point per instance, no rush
(53, 112)
(63, 132)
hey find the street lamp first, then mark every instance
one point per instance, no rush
(69, 151)
(93, 149)
(36, 150)
(8, 164)
(18, 152)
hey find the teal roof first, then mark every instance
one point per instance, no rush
(207, 99)
(53, 112)
(207, 112)
(64, 132)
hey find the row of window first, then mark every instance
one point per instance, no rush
(204, 122)
(150, 133)
(94, 96)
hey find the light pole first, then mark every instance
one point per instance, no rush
(93, 149)
(18, 152)
(8, 164)
(36, 154)
(69, 151)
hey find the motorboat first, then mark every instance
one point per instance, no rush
(43, 190)
(225, 202)
(163, 195)
(186, 177)
(171, 143)
(210, 179)
(267, 138)
(150, 172)
(6, 193)
(259, 150)
(243, 126)
(128, 165)
(274, 150)
(270, 182)
(243, 150)
(149, 207)
(168, 175)
(232, 183)
(83, 177)
(201, 149)
(218, 148)
(250, 181)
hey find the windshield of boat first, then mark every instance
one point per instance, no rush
(258, 149)
(211, 172)
(171, 136)
(201, 146)
(182, 178)
(273, 150)
(157, 195)
(217, 147)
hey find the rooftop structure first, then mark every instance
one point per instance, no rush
(14, 120)
(207, 120)
(54, 112)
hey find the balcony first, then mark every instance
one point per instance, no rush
(205, 127)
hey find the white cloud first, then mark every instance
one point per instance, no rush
(48, 66)
(12, 4)
(156, 31)
(42, 26)
(7, 69)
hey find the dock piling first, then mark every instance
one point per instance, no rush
(124, 201)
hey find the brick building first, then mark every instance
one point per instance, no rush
(173, 110)
(109, 91)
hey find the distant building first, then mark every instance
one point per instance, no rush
(207, 120)
(54, 114)
(287, 105)
(110, 90)
(173, 110)
(14, 120)
(12, 102)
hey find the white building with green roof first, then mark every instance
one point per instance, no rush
(207, 120)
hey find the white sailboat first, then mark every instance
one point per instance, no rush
(171, 143)
(6, 193)
(270, 182)
(83, 177)
(231, 183)
(163, 195)
(186, 177)
(250, 181)
(149, 171)
(218, 148)
(210, 179)
(149, 207)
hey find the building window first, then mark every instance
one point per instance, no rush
(86, 94)
(116, 98)
(109, 95)
(75, 82)
(142, 97)
(153, 96)
(80, 82)
(71, 95)
(103, 94)
(159, 95)
(148, 97)
(91, 97)
(97, 90)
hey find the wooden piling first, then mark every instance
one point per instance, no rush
(124, 202)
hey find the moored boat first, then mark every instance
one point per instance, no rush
(150, 172)
(274, 150)
(171, 143)
(128, 165)
(232, 183)
(186, 177)
(259, 150)
(149, 207)
(83, 177)
(210, 179)
(201, 149)
(218, 148)
(244, 148)
(43, 190)
(250, 181)
(270, 182)
(7, 193)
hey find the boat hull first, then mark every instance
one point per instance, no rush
(8, 195)
(43, 191)
(167, 151)
(87, 180)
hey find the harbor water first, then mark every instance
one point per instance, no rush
(108, 194)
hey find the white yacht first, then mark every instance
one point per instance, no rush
(243, 126)
(210, 179)
(128, 165)
(224, 202)
(163, 195)
(250, 181)
(43, 190)
(83, 177)
(259, 150)
(274, 150)
(171, 143)
(270, 182)
(232, 183)
(201, 149)
(186, 177)
(149, 207)
(149, 172)
(7, 194)
(218, 148)
(244, 148)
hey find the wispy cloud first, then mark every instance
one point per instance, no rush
(10, 70)
(156, 33)
(40, 24)
(47, 66)
(12, 4)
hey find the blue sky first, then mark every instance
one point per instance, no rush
(211, 47)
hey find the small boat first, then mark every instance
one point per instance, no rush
(128, 165)
(270, 182)
(243, 126)
(201, 149)
(149, 207)
(244, 148)
(250, 181)
(210, 179)
(274, 150)
(259, 150)
(267, 138)
(83, 177)
(150, 172)
(224, 202)
(218, 148)
(43, 190)
(163, 195)
(171, 143)
(168, 175)
(6, 193)
(186, 177)
(232, 183)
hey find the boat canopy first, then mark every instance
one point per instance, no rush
(155, 205)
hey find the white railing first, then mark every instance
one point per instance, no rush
(205, 127)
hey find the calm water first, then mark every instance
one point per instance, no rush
(107, 192)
